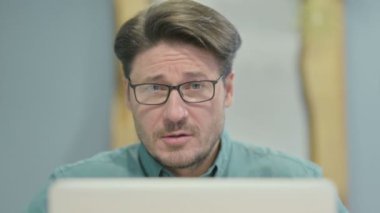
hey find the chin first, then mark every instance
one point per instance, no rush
(181, 159)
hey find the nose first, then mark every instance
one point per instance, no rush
(175, 108)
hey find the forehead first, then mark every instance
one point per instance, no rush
(167, 60)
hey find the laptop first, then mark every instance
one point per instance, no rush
(192, 195)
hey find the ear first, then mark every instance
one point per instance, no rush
(229, 88)
(127, 95)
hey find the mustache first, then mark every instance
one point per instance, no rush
(170, 127)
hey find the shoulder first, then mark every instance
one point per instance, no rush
(266, 162)
(115, 163)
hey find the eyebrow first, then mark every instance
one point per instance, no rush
(154, 78)
(195, 75)
(186, 75)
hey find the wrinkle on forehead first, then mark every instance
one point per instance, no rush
(173, 59)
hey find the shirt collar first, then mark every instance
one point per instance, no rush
(153, 168)
(221, 161)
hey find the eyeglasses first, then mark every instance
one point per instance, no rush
(190, 92)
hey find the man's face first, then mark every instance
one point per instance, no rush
(180, 135)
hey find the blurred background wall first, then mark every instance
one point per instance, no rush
(363, 92)
(56, 82)
(57, 78)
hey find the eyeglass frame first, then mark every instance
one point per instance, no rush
(174, 87)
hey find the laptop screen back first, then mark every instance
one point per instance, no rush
(196, 195)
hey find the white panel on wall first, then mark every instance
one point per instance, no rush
(268, 107)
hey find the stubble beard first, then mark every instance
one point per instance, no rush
(180, 158)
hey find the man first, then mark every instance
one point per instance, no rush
(177, 58)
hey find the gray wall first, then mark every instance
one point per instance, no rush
(56, 82)
(363, 78)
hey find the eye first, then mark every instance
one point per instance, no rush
(196, 85)
(155, 87)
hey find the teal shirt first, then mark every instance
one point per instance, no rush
(235, 159)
